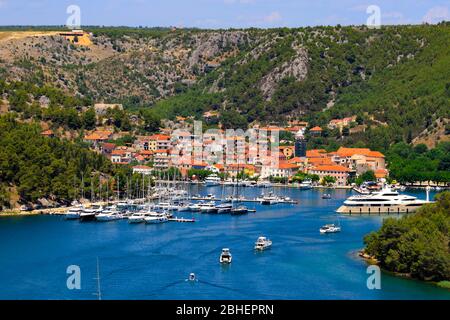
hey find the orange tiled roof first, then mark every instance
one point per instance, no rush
(296, 159)
(348, 152)
(316, 129)
(381, 173)
(286, 165)
(330, 168)
(118, 152)
(218, 166)
(159, 137)
(320, 161)
(316, 153)
(142, 167)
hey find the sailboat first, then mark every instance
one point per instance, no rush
(241, 209)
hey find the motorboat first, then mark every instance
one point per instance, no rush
(194, 207)
(208, 207)
(73, 213)
(269, 199)
(384, 201)
(166, 206)
(138, 217)
(262, 243)
(212, 180)
(155, 219)
(330, 228)
(225, 256)
(305, 185)
(192, 277)
(224, 207)
(108, 215)
(245, 183)
(240, 210)
(88, 214)
(183, 207)
(235, 198)
(326, 196)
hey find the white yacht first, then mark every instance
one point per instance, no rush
(154, 219)
(138, 217)
(109, 214)
(263, 243)
(194, 207)
(269, 199)
(74, 213)
(384, 201)
(166, 206)
(225, 256)
(305, 185)
(330, 228)
(212, 180)
(224, 207)
(208, 207)
(89, 214)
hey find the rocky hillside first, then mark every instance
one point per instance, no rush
(396, 75)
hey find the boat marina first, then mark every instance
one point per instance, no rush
(154, 252)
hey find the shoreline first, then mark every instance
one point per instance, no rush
(374, 261)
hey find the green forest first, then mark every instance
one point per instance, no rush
(416, 244)
(41, 167)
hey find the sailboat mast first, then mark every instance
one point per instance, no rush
(99, 292)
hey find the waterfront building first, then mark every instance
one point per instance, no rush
(161, 159)
(340, 173)
(142, 169)
(360, 159)
(282, 169)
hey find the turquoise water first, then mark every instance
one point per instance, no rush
(152, 261)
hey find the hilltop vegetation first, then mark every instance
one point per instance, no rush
(37, 167)
(416, 244)
(394, 78)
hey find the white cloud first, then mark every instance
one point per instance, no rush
(436, 14)
(272, 17)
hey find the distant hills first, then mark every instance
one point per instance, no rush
(397, 78)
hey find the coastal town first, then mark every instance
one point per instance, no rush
(155, 152)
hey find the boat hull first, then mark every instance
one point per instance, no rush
(377, 210)
(87, 217)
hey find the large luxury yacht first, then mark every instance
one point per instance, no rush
(384, 201)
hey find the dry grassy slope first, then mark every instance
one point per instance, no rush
(110, 69)
(434, 134)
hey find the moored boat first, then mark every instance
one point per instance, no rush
(208, 207)
(384, 201)
(225, 256)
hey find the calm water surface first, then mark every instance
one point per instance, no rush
(152, 261)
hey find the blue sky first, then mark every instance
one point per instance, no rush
(222, 13)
